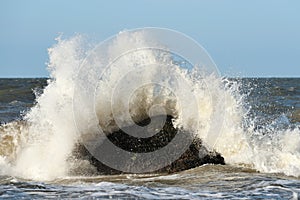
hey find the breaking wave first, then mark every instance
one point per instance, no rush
(40, 146)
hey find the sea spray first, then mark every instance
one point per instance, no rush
(51, 130)
(43, 146)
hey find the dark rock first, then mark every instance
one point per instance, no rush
(195, 155)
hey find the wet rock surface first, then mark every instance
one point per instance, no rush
(196, 153)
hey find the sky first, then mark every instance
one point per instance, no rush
(257, 38)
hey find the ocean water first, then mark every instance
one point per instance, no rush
(254, 123)
(274, 109)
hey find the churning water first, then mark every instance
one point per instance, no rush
(253, 122)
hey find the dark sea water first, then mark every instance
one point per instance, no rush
(273, 108)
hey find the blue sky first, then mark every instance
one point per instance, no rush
(245, 38)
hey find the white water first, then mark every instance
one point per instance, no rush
(42, 147)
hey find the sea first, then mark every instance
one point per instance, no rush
(254, 123)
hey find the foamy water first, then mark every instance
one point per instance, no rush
(204, 103)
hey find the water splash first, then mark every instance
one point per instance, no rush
(41, 148)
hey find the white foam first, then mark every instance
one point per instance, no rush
(51, 132)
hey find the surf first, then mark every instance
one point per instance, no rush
(42, 146)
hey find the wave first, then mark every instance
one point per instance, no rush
(40, 146)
